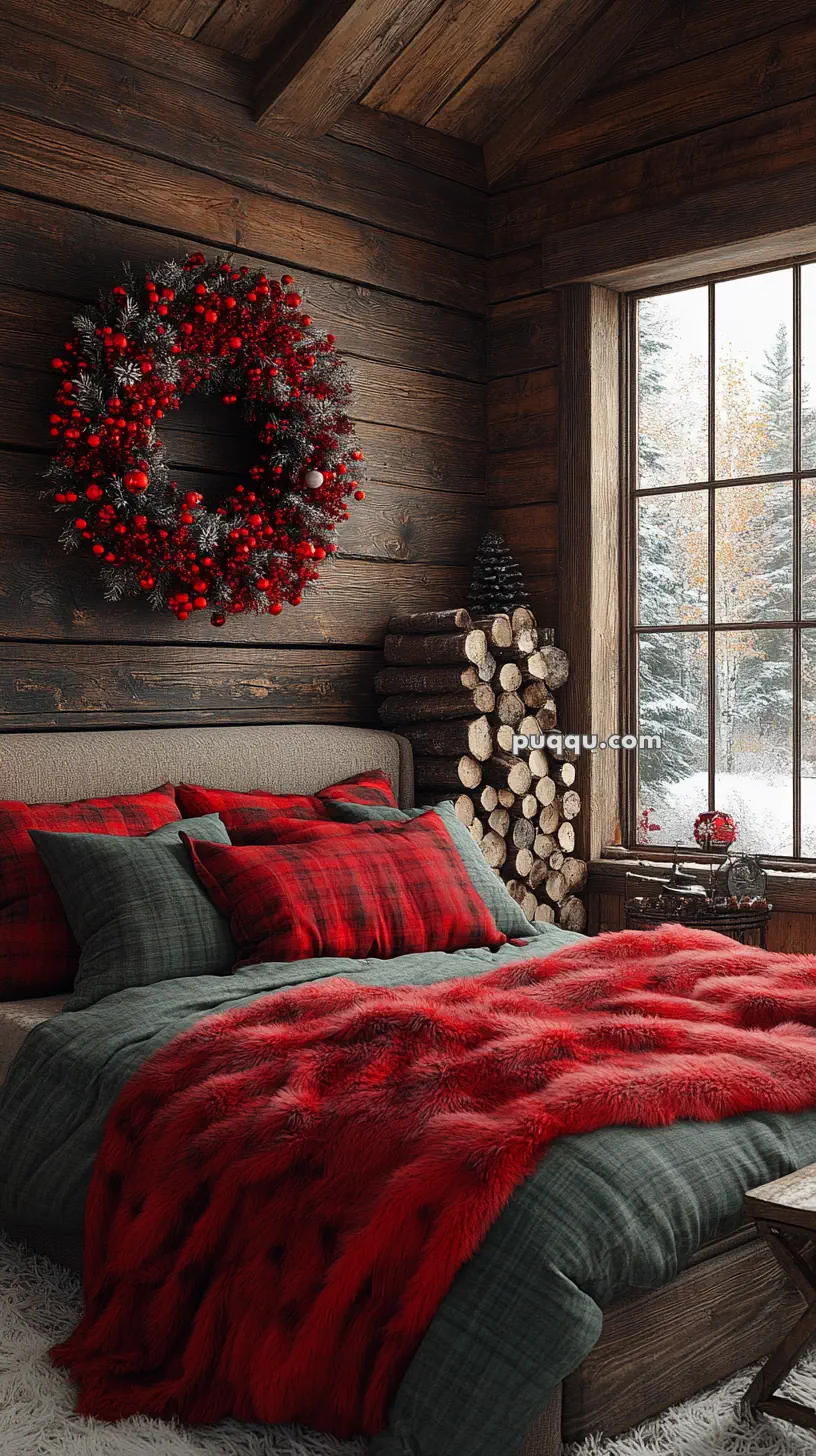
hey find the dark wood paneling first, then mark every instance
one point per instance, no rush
(113, 149)
(543, 594)
(75, 254)
(441, 57)
(102, 96)
(174, 58)
(432, 151)
(244, 29)
(46, 594)
(398, 524)
(521, 477)
(51, 162)
(394, 523)
(698, 28)
(514, 274)
(522, 409)
(531, 532)
(509, 73)
(744, 151)
(186, 16)
(789, 931)
(206, 435)
(417, 401)
(314, 68)
(588, 54)
(742, 225)
(755, 75)
(44, 687)
(523, 335)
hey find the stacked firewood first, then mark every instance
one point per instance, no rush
(459, 689)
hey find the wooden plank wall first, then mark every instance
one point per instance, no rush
(522, 429)
(699, 118)
(118, 143)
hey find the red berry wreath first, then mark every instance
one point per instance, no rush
(222, 330)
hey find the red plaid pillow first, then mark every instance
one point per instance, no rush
(254, 810)
(355, 890)
(38, 954)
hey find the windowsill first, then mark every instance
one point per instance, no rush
(791, 885)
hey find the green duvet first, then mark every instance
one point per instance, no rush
(606, 1213)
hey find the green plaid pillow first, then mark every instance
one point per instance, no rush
(136, 907)
(509, 916)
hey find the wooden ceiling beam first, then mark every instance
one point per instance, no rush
(584, 58)
(329, 57)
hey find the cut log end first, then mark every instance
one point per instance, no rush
(574, 871)
(555, 887)
(524, 862)
(499, 629)
(522, 617)
(464, 810)
(566, 836)
(545, 791)
(510, 677)
(572, 914)
(510, 709)
(494, 849)
(499, 821)
(529, 905)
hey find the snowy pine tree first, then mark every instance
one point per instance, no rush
(651, 382)
(497, 585)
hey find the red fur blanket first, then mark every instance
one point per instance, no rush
(285, 1193)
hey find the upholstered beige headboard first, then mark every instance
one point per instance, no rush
(291, 758)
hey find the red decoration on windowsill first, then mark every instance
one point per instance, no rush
(232, 332)
(715, 830)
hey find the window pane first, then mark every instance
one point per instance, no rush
(754, 553)
(753, 323)
(673, 558)
(809, 743)
(754, 697)
(809, 367)
(673, 388)
(809, 548)
(673, 696)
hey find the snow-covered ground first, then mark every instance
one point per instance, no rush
(762, 807)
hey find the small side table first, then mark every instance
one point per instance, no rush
(741, 925)
(785, 1215)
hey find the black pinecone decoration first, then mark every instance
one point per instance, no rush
(497, 585)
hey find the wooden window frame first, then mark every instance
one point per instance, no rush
(630, 492)
(589, 437)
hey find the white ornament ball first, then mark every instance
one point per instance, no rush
(313, 479)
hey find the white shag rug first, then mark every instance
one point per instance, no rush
(41, 1303)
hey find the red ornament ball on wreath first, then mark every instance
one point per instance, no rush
(234, 333)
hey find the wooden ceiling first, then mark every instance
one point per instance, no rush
(496, 73)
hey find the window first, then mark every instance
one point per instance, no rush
(722, 590)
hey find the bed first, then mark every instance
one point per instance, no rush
(644, 1225)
